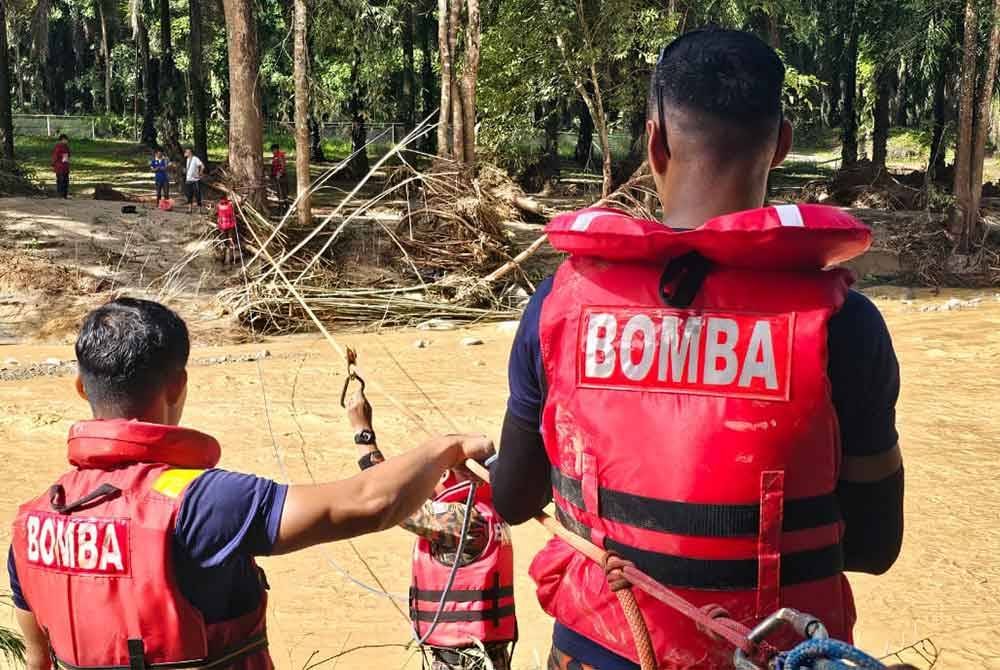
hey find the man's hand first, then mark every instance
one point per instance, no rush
(359, 412)
(377, 498)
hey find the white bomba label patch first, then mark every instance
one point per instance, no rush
(94, 546)
(671, 351)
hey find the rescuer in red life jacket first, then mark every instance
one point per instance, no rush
(477, 613)
(698, 395)
(143, 554)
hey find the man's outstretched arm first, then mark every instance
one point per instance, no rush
(375, 499)
(36, 642)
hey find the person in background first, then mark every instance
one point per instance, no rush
(60, 165)
(279, 173)
(477, 614)
(193, 171)
(226, 221)
(142, 555)
(159, 167)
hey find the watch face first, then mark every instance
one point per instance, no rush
(365, 437)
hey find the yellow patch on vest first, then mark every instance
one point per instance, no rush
(173, 482)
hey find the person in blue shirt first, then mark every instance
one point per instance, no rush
(159, 166)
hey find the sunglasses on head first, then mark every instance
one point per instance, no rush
(661, 118)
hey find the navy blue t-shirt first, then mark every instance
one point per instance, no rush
(225, 519)
(864, 379)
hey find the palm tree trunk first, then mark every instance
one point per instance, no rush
(880, 130)
(409, 77)
(470, 74)
(246, 125)
(849, 115)
(966, 108)
(150, 99)
(199, 112)
(444, 52)
(105, 56)
(301, 66)
(6, 113)
(983, 119)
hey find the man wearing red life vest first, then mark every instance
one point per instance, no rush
(462, 617)
(143, 554)
(699, 395)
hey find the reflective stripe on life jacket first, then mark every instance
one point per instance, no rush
(94, 557)
(480, 603)
(689, 422)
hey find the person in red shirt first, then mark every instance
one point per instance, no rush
(279, 173)
(60, 165)
(226, 222)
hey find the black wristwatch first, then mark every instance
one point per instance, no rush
(364, 437)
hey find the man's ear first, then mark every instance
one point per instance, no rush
(655, 152)
(785, 135)
(176, 387)
(80, 390)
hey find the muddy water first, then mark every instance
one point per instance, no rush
(946, 585)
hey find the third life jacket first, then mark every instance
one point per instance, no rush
(689, 420)
(480, 603)
(93, 557)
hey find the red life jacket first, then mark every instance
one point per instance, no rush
(226, 219)
(689, 420)
(93, 557)
(480, 603)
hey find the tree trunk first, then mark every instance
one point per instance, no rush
(444, 52)
(983, 119)
(880, 129)
(470, 74)
(246, 127)
(427, 76)
(316, 141)
(20, 74)
(199, 111)
(457, 123)
(409, 78)
(105, 56)
(301, 65)
(170, 132)
(936, 164)
(6, 113)
(150, 99)
(359, 131)
(849, 122)
(585, 136)
(966, 107)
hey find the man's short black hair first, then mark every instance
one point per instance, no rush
(127, 351)
(275, 147)
(62, 136)
(727, 81)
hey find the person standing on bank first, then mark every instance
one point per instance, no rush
(193, 171)
(159, 166)
(710, 405)
(60, 165)
(142, 555)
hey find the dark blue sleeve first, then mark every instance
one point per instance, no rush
(525, 373)
(226, 513)
(15, 583)
(864, 376)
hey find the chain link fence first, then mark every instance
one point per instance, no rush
(53, 125)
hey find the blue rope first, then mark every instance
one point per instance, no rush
(827, 655)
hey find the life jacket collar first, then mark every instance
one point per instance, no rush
(100, 444)
(781, 237)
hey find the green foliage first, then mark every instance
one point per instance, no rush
(11, 643)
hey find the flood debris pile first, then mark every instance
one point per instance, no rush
(403, 247)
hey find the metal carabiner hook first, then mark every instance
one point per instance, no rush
(352, 375)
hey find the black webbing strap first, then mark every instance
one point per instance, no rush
(464, 595)
(698, 519)
(716, 574)
(682, 279)
(137, 658)
(136, 655)
(492, 613)
(57, 498)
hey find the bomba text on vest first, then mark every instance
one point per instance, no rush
(673, 351)
(96, 546)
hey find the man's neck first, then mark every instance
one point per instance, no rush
(689, 203)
